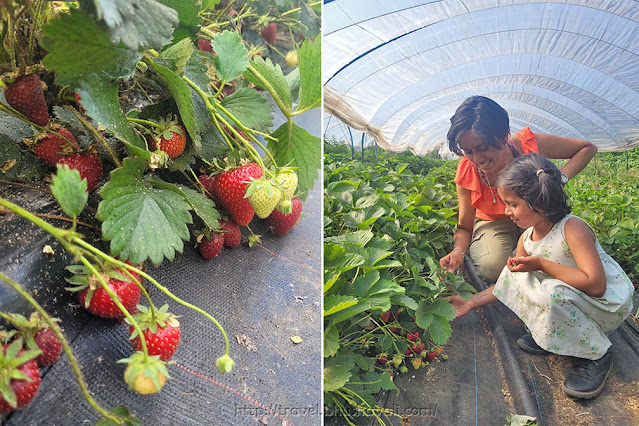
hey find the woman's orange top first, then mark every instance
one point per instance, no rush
(481, 196)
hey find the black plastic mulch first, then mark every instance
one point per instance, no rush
(262, 296)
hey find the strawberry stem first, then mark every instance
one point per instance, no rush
(141, 121)
(96, 134)
(67, 349)
(12, 38)
(116, 300)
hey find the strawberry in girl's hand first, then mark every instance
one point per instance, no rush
(50, 147)
(96, 299)
(172, 140)
(161, 332)
(269, 33)
(89, 165)
(280, 223)
(20, 378)
(233, 235)
(26, 96)
(210, 247)
(230, 188)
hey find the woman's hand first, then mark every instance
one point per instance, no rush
(461, 306)
(452, 260)
(524, 264)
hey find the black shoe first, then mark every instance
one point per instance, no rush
(528, 344)
(587, 378)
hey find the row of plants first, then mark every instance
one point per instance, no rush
(384, 308)
(158, 114)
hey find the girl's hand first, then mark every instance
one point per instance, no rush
(452, 260)
(461, 306)
(524, 264)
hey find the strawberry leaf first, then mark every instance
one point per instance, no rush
(232, 56)
(297, 147)
(337, 371)
(310, 21)
(142, 222)
(135, 23)
(100, 100)
(310, 65)
(77, 46)
(265, 74)
(250, 108)
(179, 55)
(69, 190)
(188, 15)
(120, 411)
(331, 341)
(181, 93)
(440, 330)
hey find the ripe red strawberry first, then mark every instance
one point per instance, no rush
(431, 356)
(89, 166)
(26, 96)
(95, 298)
(20, 378)
(230, 188)
(413, 337)
(280, 223)
(233, 235)
(209, 248)
(409, 353)
(207, 182)
(269, 33)
(418, 349)
(172, 141)
(385, 316)
(204, 45)
(382, 358)
(50, 346)
(395, 330)
(49, 148)
(161, 332)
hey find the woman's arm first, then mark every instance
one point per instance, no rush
(589, 276)
(578, 151)
(463, 234)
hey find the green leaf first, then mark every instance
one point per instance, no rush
(364, 282)
(77, 47)
(439, 330)
(310, 65)
(385, 286)
(137, 24)
(188, 15)
(443, 308)
(406, 301)
(203, 206)
(100, 100)
(357, 237)
(423, 319)
(269, 76)
(331, 341)
(311, 22)
(70, 190)
(375, 302)
(335, 375)
(179, 54)
(385, 342)
(363, 362)
(232, 57)
(334, 303)
(142, 222)
(250, 108)
(181, 94)
(296, 146)
(121, 411)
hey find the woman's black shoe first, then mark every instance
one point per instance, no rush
(587, 378)
(528, 344)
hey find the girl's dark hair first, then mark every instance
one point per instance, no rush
(487, 120)
(541, 191)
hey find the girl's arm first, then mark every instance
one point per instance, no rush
(578, 151)
(589, 276)
(463, 234)
(480, 299)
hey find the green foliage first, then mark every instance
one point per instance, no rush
(69, 190)
(231, 59)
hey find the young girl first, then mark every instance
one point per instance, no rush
(563, 286)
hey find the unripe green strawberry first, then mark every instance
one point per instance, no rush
(288, 179)
(263, 196)
(145, 376)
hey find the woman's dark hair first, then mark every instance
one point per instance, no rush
(541, 190)
(487, 120)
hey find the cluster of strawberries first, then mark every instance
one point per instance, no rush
(416, 350)
(244, 193)
(31, 345)
(26, 95)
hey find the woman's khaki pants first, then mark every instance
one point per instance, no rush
(492, 243)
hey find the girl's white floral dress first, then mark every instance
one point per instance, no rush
(562, 319)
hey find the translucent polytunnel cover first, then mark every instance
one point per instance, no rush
(397, 70)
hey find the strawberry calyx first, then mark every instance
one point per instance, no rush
(12, 357)
(145, 374)
(225, 364)
(152, 319)
(27, 329)
(83, 279)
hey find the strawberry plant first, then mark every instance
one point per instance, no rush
(145, 109)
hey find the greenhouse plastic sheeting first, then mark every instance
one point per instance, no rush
(398, 70)
(263, 296)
